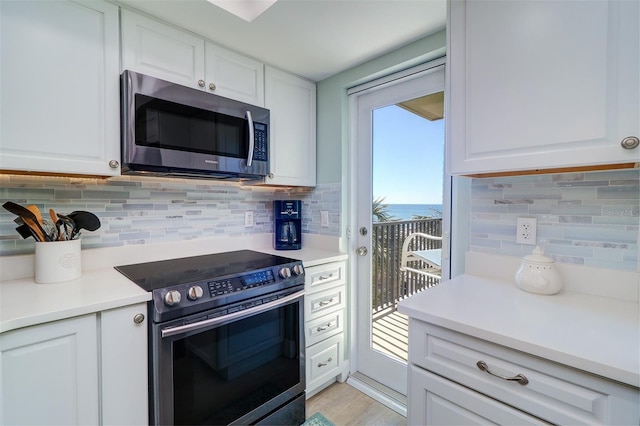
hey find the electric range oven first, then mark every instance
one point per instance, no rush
(226, 339)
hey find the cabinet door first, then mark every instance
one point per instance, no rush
(234, 76)
(60, 103)
(292, 102)
(153, 48)
(124, 365)
(542, 84)
(434, 400)
(49, 374)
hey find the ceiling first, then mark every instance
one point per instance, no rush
(312, 38)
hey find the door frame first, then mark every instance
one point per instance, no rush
(352, 228)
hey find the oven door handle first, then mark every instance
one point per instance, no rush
(172, 331)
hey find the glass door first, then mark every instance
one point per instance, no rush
(398, 168)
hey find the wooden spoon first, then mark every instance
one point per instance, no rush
(55, 220)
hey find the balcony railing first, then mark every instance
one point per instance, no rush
(389, 283)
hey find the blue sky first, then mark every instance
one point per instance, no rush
(407, 157)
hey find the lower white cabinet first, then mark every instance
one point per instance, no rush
(324, 321)
(49, 374)
(455, 378)
(90, 369)
(123, 363)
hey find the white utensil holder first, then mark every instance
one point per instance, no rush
(58, 261)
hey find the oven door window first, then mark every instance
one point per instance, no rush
(222, 374)
(169, 125)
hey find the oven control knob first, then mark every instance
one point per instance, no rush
(195, 293)
(297, 270)
(285, 273)
(172, 298)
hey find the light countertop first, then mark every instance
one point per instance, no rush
(592, 333)
(23, 302)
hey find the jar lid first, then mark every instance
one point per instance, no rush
(538, 256)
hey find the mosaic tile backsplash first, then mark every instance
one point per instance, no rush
(135, 210)
(589, 218)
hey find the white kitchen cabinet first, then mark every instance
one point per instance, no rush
(49, 373)
(90, 369)
(124, 387)
(542, 84)
(446, 385)
(157, 49)
(292, 103)
(324, 316)
(60, 103)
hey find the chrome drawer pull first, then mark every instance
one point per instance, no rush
(323, 277)
(324, 327)
(325, 302)
(322, 364)
(520, 378)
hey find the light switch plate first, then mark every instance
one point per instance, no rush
(248, 219)
(324, 218)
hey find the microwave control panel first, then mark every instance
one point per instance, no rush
(260, 137)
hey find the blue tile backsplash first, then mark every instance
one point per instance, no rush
(135, 210)
(589, 218)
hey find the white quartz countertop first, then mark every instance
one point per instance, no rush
(596, 334)
(23, 302)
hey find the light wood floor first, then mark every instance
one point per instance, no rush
(344, 405)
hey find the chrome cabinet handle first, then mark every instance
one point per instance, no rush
(212, 86)
(520, 378)
(201, 83)
(114, 164)
(323, 328)
(324, 277)
(138, 318)
(325, 302)
(630, 142)
(322, 364)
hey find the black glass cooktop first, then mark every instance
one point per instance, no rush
(164, 273)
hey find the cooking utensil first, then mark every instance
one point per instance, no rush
(68, 225)
(56, 223)
(85, 220)
(29, 218)
(24, 230)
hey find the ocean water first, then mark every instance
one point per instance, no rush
(408, 211)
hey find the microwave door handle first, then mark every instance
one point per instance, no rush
(252, 141)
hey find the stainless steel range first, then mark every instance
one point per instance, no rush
(226, 339)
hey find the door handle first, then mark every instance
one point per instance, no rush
(362, 251)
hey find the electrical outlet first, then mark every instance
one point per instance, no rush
(248, 219)
(526, 230)
(324, 218)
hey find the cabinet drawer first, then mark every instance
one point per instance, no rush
(326, 326)
(554, 392)
(324, 276)
(438, 401)
(323, 302)
(324, 360)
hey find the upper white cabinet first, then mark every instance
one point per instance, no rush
(162, 51)
(292, 102)
(542, 84)
(60, 104)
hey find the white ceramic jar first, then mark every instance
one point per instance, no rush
(537, 274)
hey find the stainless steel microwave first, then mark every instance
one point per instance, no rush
(173, 130)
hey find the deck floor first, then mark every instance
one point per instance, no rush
(391, 333)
